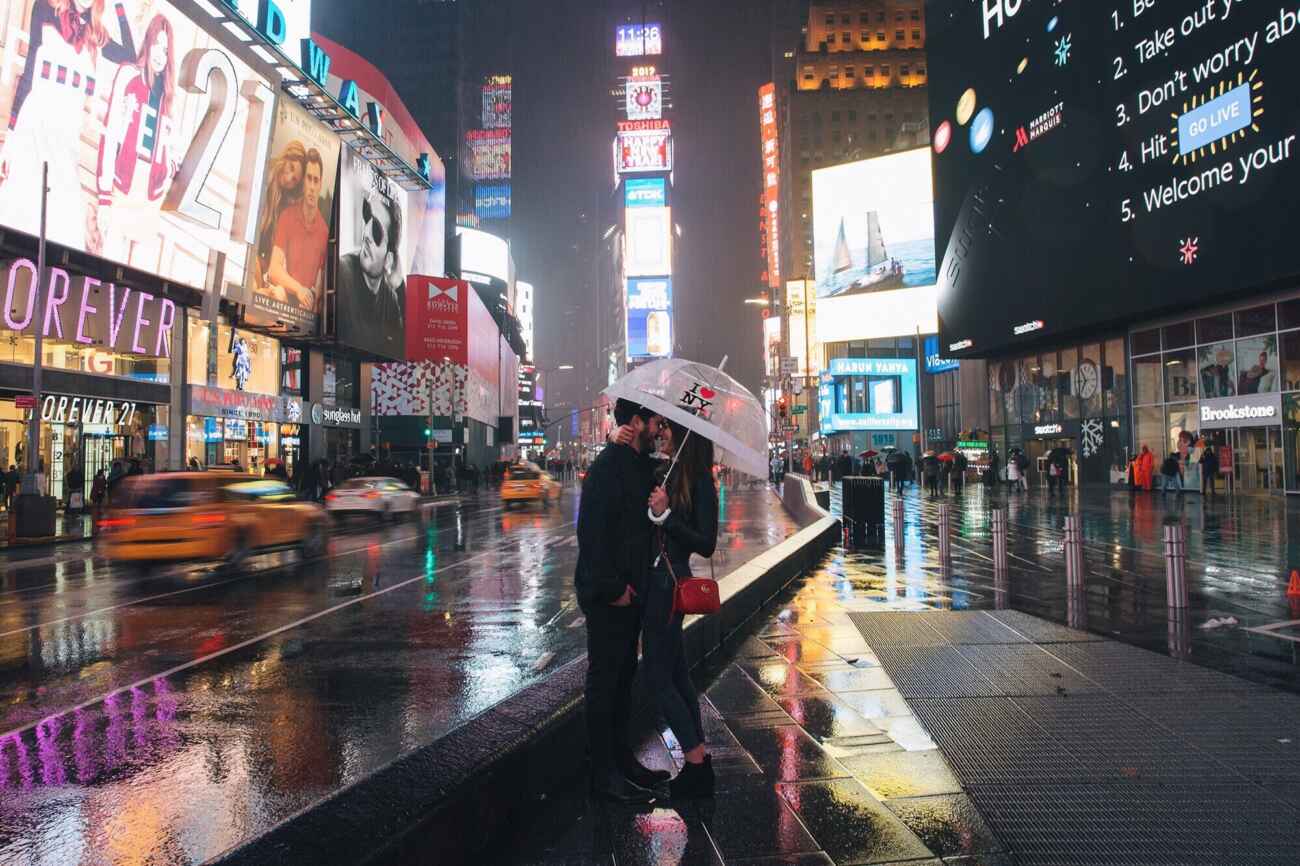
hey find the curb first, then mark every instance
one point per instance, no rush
(447, 801)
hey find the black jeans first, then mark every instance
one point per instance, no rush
(664, 656)
(612, 634)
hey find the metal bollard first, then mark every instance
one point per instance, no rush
(945, 534)
(1000, 541)
(1073, 553)
(1176, 565)
(898, 524)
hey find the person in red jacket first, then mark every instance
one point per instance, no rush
(1145, 468)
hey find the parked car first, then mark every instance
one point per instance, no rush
(526, 482)
(221, 516)
(381, 497)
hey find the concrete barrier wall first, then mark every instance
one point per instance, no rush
(448, 801)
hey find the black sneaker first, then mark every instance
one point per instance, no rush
(616, 789)
(694, 782)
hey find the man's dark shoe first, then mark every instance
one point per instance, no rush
(694, 782)
(642, 775)
(616, 789)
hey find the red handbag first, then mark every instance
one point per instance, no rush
(694, 595)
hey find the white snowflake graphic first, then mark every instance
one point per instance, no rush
(1063, 46)
(1092, 435)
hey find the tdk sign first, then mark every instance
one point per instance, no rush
(645, 192)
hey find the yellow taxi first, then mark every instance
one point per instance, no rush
(526, 482)
(207, 516)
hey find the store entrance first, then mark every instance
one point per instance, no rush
(1257, 458)
(1038, 449)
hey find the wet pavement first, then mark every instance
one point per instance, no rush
(168, 718)
(822, 759)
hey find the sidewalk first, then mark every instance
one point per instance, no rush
(67, 528)
(880, 716)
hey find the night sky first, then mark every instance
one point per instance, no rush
(563, 128)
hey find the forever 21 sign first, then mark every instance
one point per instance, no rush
(86, 410)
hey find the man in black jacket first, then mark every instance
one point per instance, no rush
(614, 541)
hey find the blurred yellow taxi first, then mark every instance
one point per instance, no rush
(526, 482)
(207, 516)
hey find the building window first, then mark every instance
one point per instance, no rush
(846, 38)
(898, 16)
(846, 19)
(864, 18)
(868, 71)
(904, 70)
(830, 20)
(884, 70)
(880, 17)
(830, 38)
(835, 117)
(848, 72)
(916, 35)
(920, 70)
(853, 116)
(880, 36)
(866, 35)
(916, 14)
(899, 35)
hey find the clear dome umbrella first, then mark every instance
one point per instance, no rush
(707, 402)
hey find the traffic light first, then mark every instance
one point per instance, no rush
(427, 432)
(782, 408)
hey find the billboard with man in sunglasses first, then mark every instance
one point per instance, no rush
(373, 262)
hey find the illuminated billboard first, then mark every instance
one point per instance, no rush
(873, 225)
(645, 192)
(638, 40)
(155, 134)
(489, 153)
(524, 313)
(483, 255)
(801, 326)
(771, 181)
(649, 242)
(649, 318)
(496, 102)
(492, 201)
(896, 313)
(868, 394)
(643, 146)
(772, 346)
(645, 97)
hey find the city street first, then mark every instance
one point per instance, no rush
(168, 718)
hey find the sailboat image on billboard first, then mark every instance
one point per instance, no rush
(873, 225)
(878, 272)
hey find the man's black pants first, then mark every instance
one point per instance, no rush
(612, 634)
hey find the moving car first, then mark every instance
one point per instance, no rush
(381, 497)
(222, 516)
(526, 482)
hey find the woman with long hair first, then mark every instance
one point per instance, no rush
(685, 507)
(283, 188)
(66, 39)
(137, 155)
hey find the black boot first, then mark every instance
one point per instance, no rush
(639, 774)
(615, 788)
(694, 782)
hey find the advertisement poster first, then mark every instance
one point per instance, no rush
(438, 325)
(374, 255)
(649, 241)
(426, 211)
(645, 97)
(873, 225)
(644, 150)
(496, 102)
(650, 318)
(154, 135)
(868, 394)
(286, 274)
(489, 151)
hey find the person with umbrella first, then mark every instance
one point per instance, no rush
(959, 466)
(614, 552)
(930, 468)
(869, 463)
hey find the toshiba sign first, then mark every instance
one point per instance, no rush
(1245, 411)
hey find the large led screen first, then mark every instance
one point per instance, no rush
(1095, 162)
(637, 40)
(873, 225)
(154, 133)
(649, 241)
(649, 318)
(868, 394)
(643, 146)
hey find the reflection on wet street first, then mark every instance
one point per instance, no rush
(1240, 552)
(168, 717)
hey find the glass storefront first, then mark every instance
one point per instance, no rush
(86, 434)
(1239, 355)
(1074, 397)
(231, 442)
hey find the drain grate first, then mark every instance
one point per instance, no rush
(973, 627)
(1025, 669)
(895, 629)
(992, 741)
(1141, 825)
(933, 672)
(1126, 669)
(1040, 630)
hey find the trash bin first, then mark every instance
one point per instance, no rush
(863, 504)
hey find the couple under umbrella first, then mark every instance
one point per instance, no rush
(640, 519)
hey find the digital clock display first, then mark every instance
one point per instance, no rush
(1104, 160)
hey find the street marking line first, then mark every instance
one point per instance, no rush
(1271, 630)
(542, 661)
(184, 666)
(550, 622)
